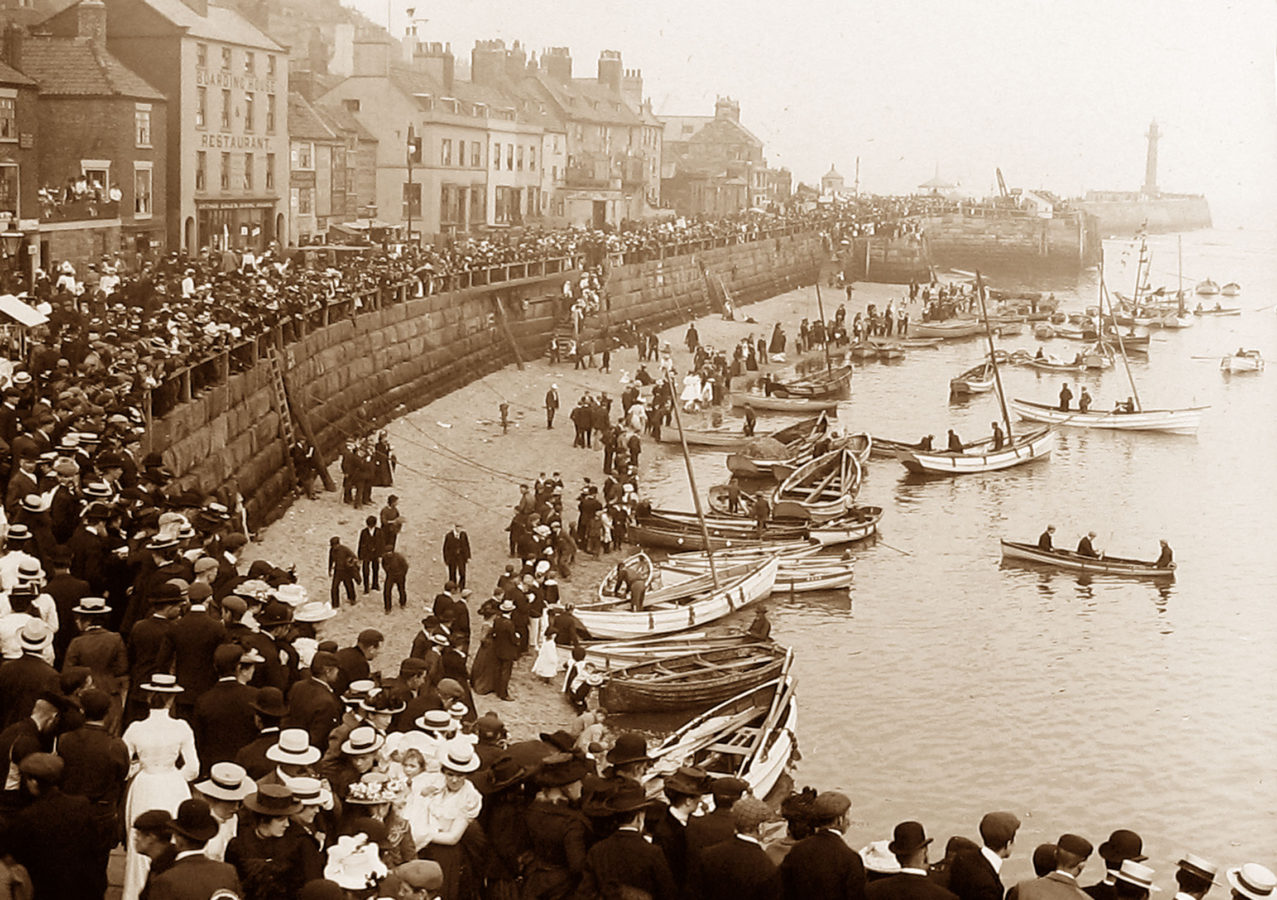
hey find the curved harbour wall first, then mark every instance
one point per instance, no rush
(356, 365)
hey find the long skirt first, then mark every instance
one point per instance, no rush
(150, 790)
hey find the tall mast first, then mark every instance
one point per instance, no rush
(1179, 265)
(691, 480)
(1104, 295)
(824, 327)
(993, 354)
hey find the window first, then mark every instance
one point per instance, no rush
(519, 158)
(478, 206)
(445, 152)
(249, 162)
(142, 189)
(270, 65)
(412, 200)
(201, 55)
(250, 107)
(303, 155)
(226, 110)
(305, 200)
(250, 62)
(448, 212)
(532, 159)
(351, 103)
(97, 172)
(9, 189)
(226, 171)
(270, 112)
(270, 171)
(201, 106)
(476, 155)
(142, 119)
(8, 118)
(509, 157)
(201, 170)
(496, 156)
(226, 58)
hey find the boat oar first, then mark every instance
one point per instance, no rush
(889, 547)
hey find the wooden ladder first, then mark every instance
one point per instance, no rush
(279, 394)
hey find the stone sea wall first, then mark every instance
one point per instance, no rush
(1123, 218)
(1011, 244)
(361, 367)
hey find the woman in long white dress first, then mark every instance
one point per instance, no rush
(163, 763)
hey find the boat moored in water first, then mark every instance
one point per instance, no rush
(1074, 562)
(1171, 421)
(980, 456)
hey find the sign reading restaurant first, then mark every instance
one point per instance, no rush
(223, 79)
(234, 142)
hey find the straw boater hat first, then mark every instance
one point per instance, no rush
(314, 612)
(362, 740)
(35, 636)
(91, 606)
(310, 791)
(293, 748)
(1137, 874)
(226, 781)
(1195, 865)
(459, 757)
(434, 720)
(163, 683)
(1252, 881)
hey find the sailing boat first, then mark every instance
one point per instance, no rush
(1134, 417)
(982, 456)
(1180, 316)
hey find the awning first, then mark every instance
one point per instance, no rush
(20, 312)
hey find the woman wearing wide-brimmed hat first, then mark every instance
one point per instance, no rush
(558, 831)
(162, 751)
(451, 804)
(272, 860)
(377, 796)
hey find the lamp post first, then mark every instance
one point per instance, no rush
(11, 239)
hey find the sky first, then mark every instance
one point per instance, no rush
(1058, 95)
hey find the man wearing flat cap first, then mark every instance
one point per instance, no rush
(739, 868)
(822, 864)
(909, 843)
(1071, 855)
(55, 836)
(1123, 844)
(976, 875)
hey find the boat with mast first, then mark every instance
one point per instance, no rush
(1135, 417)
(984, 456)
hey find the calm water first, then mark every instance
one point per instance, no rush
(949, 685)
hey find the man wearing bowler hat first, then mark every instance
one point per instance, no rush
(909, 843)
(269, 710)
(1071, 854)
(1123, 844)
(1194, 877)
(976, 875)
(624, 862)
(822, 864)
(193, 876)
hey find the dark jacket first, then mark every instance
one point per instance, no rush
(57, 840)
(312, 705)
(906, 886)
(823, 866)
(223, 722)
(456, 548)
(194, 637)
(505, 641)
(971, 877)
(626, 860)
(736, 869)
(195, 878)
(22, 680)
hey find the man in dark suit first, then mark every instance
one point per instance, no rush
(1071, 854)
(909, 844)
(193, 876)
(55, 837)
(505, 643)
(312, 703)
(683, 792)
(223, 718)
(712, 828)
(194, 637)
(625, 862)
(456, 553)
(1123, 844)
(66, 591)
(269, 708)
(97, 765)
(821, 865)
(739, 868)
(976, 875)
(370, 548)
(150, 647)
(356, 662)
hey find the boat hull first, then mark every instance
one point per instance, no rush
(1023, 450)
(783, 404)
(859, 523)
(660, 686)
(697, 437)
(824, 486)
(1064, 559)
(1169, 421)
(961, 329)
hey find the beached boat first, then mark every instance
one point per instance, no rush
(786, 550)
(720, 438)
(980, 457)
(694, 680)
(617, 654)
(691, 604)
(862, 350)
(977, 380)
(682, 535)
(825, 486)
(1207, 288)
(952, 328)
(888, 349)
(760, 401)
(1172, 421)
(1066, 559)
(821, 386)
(755, 460)
(859, 444)
(796, 574)
(750, 736)
(1242, 361)
(614, 585)
(1232, 289)
(923, 343)
(885, 448)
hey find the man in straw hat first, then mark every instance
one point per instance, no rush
(739, 868)
(1071, 854)
(909, 843)
(976, 875)
(1251, 882)
(822, 864)
(624, 861)
(1194, 877)
(1123, 844)
(225, 788)
(103, 652)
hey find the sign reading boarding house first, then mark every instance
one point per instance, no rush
(223, 79)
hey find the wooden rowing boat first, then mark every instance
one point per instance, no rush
(719, 438)
(823, 386)
(1184, 420)
(697, 679)
(976, 380)
(678, 531)
(885, 448)
(1232, 289)
(824, 486)
(786, 550)
(1242, 361)
(859, 445)
(616, 654)
(750, 736)
(855, 524)
(761, 401)
(796, 574)
(1218, 311)
(1066, 559)
(951, 328)
(614, 585)
(980, 457)
(756, 458)
(692, 604)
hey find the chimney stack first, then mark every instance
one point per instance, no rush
(727, 108)
(371, 58)
(199, 7)
(90, 22)
(557, 63)
(14, 35)
(488, 62)
(437, 61)
(610, 70)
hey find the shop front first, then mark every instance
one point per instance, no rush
(235, 224)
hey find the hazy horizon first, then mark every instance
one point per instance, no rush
(1059, 96)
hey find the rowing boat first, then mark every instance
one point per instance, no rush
(1242, 361)
(824, 486)
(750, 736)
(796, 574)
(697, 679)
(756, 458)
(719, 438)
(679, 607)
(826, 385)
(1232, 289)
(1184, 420)
(862, 350)
(1218, 311)
(885, 448)
(856, 524)
(616, 654)
(1066, 559)
(1207, 288)
(980, 457)
(615, 584)
(952, 328)
(976, 380)
(859, 444)
(783, 404)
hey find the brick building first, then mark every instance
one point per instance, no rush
(227, 145)
(714, 165)
(318, 172)
(101, 139)
(19, 178)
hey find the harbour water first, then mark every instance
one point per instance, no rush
(948, 684)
